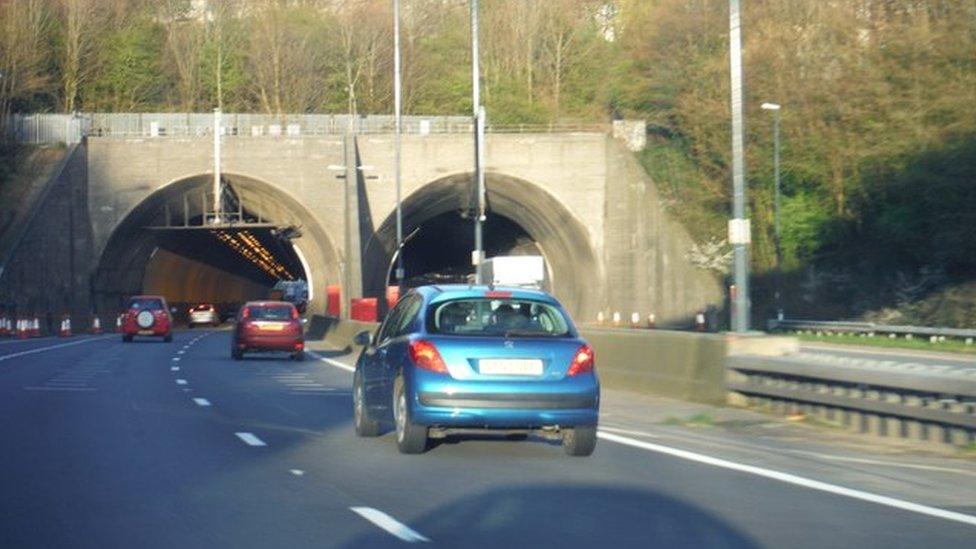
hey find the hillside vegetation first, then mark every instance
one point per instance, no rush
(878, 119)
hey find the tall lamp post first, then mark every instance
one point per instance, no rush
(775, 108)
(397, 118)
(479, 126)
(739, 229)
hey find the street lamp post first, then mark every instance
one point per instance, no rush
(397, 118)
(775, 108)
(738, 226)
(479, 124)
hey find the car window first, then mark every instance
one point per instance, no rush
(269, 312)
(146, 304)
(497, 317)
(391, 323)
(405, 322)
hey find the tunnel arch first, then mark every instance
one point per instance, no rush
(562, 238)
(121, 266)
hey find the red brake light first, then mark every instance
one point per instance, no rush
(582, 361)
(294, 313)
(246, 312)
(498, 295)
(425, 355)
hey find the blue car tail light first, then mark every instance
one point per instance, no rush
(582, 361)
(425, 355)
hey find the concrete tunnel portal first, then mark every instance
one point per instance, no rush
(168, 245)
(163, 245)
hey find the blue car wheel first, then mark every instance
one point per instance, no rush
(411, 438)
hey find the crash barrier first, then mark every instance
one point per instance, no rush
(871, 329)
(935, 405)
(684, 365)
(364, 309)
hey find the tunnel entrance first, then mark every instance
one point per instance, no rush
(439, 250)
(522, 219)
(173, 244)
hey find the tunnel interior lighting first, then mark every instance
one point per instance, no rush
(251, 249)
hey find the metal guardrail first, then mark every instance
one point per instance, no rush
(868, 328)
(935, 404)
(70, 128)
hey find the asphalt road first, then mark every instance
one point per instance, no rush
(151, 444)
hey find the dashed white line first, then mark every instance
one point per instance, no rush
(201, 402)
(250, 439)
(174, 368)
(793, 479)
(181, 382)
(176, 359)
(627, 432)
(331, 362)
(59, 388)
(296, 472)
(389, 524)
(181, 351)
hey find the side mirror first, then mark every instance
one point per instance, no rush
(363, 339)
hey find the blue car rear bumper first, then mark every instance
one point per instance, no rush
(441, 401)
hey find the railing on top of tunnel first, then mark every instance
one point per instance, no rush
(70, 128)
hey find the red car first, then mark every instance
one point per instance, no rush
(268, 326)
(147, 315)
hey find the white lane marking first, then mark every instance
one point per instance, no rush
(296, 472)
(51, 348)
(250, 439)
(389, 524)
(174, 368)
(180, 352)
(627, 432)
(59, 388)
(176, 359)
(201, 402)
(331, 362)
(181, 382)
(884, 463)
(793, 479)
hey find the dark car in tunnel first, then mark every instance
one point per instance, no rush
(268, 326)
(147, 315)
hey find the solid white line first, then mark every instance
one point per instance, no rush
(793, 479)
(331, 362)
(250, 439)
(59, 388)
(201, 402)
(389, 524)
(181, 382)
(51, 348)
(627, 432)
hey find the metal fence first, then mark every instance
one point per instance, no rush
(70, 128)
(832, 327)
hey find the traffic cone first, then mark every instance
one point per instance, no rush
(96, 326)
(651, 319)
(65, 326)
(4, 328)
(700, 322)
(22, 331)
(118, 324)
(35, 329)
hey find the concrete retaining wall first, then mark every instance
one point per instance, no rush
(682, 365)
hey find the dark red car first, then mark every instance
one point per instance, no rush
(268, 326)
(147, 315)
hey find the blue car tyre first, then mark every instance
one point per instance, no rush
(411, 438)
(579, 441)
(365, 426)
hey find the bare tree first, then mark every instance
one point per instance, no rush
(23, 41)
(79, 24)
(185, 38)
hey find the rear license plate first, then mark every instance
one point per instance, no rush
(511, 367)
(145, 332)
(272, 326)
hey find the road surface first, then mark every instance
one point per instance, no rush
(151, 444)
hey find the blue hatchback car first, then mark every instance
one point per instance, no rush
(451, 359)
